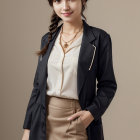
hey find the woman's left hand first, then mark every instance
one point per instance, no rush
(86, 117)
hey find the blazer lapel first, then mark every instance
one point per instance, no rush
(86, 56)
(85, 59)
(43, 72)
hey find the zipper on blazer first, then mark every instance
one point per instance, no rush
(92, 57)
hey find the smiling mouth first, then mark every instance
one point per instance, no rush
(67, 14)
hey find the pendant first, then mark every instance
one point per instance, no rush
(65, 45)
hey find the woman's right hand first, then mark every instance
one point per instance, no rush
(26, 134)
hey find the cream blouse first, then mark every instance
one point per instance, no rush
(62, 70)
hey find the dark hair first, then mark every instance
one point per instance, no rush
(55, 19)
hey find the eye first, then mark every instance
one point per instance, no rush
(57, 0)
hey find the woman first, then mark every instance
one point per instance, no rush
(71, 57)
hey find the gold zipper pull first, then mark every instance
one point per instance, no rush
(92, 57)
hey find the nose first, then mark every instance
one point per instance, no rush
(65, 5)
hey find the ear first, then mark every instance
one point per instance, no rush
(84, 2)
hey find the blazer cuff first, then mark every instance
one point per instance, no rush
(94, 111)
(27, 122)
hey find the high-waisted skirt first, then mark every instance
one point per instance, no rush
(57, 126)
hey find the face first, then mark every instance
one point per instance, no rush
(71, 7)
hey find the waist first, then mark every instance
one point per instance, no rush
(62, 102)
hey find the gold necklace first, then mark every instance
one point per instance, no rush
(66, 45)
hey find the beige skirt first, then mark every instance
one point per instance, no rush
(57, 126)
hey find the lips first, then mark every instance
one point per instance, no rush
(67, 14)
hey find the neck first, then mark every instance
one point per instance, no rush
(72, 27)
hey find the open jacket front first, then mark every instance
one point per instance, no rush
(95, 61)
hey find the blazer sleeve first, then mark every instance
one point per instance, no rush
(31, 103)
(106, 86)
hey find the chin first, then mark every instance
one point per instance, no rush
(67, 20)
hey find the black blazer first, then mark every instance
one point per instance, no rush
(95, 61)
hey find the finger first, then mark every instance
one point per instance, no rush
(75, 115)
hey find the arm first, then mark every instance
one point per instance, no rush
(106, 86)
(26, 134)
(30, 107)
